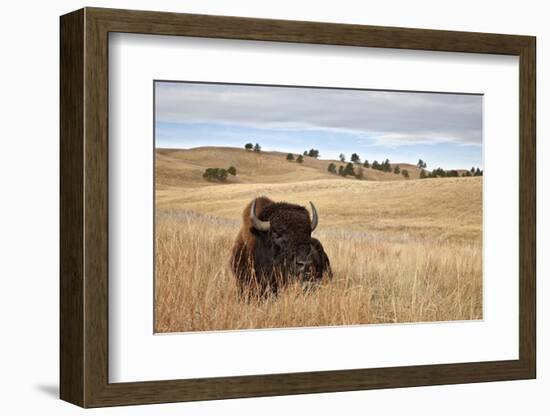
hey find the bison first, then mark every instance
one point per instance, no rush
(274, 247)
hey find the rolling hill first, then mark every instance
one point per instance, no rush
(184, 167)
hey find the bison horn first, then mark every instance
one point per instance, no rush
(314, 217)
(256, 222)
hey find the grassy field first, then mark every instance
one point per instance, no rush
(401, 250)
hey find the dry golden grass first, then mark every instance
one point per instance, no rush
(401, 251)
(178, 167)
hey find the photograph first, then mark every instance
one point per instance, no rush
(291, 206)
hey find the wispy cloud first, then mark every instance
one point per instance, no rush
(386, 118)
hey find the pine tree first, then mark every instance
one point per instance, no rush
(257, 148)
(366, 164)
(396, 170)
(355, 158)
(300, 159)
(248, 146)
(439, 172)
(290, 157)
(348, 170)
(332, 168)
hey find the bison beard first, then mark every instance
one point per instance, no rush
(274, 247)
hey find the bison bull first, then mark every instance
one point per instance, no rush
(274, 246)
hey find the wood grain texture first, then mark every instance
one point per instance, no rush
(71, 213)
(96, 219)
(162, 23)
(84, 207)
(528, 208)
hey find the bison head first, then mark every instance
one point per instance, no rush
(284, 231)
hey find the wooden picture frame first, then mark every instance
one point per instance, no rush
(84, 207)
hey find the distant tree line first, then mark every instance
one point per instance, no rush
(354, 168)
(384, 166)
(473, 172)
(453, 173)
(348, 170)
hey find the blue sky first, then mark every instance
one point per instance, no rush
(443, 129)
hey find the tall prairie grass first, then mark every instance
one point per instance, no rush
(379, 277)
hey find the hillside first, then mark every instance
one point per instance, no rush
(184, 167)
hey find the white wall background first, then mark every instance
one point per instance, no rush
(29, 159)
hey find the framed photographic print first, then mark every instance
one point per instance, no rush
(255, 207)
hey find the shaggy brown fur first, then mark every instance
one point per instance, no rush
(265, 261)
